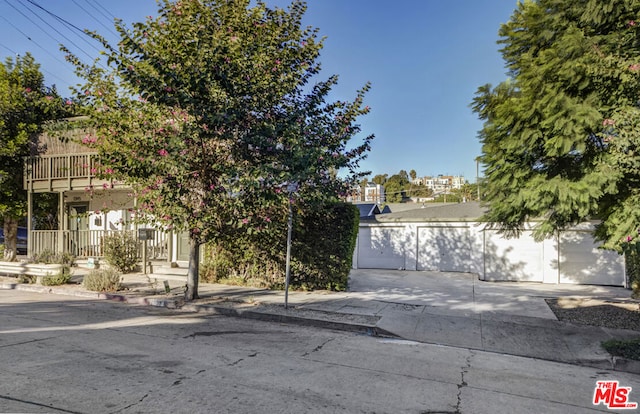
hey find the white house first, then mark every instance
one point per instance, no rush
(89, 207)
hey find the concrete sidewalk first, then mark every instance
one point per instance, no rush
(453, 309)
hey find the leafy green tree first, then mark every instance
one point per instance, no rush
(419, 190)
(25, 104)
(380, 179)
(396, 186)
(413, 174)
(550, 139)
(467, 192)
(208, 113)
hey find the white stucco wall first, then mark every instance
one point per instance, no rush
(572, 257)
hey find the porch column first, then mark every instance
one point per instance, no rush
(29, 221)
(61, 222)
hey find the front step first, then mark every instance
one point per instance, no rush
(165, 271)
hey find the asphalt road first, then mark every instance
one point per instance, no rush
(62, 354)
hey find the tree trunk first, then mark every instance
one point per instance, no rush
(191, 291)
(10, 239)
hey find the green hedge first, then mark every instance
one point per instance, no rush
(322, 248)
(632, 268)
(323, 241)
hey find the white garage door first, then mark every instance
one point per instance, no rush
(582, 262)
(444, 249)
(518, 259)
(381, 248)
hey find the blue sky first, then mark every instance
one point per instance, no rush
(424, 58)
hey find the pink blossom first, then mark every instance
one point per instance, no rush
(212, 187)
(245, 221)
(109, 171)
(608, 121)
(68, 102)
(105, 186)
(631, 23)
(94, 170)
(634, 67)
(27, 90)
(267, 219)
(163, 152)
(629, 238)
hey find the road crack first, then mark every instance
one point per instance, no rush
(48, 407)
(131, 405)
(318, 348)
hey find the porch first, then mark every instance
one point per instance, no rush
(89, 243)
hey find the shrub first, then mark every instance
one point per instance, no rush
(121, 251)
(46, 256)
(632, 269)
(49, 257)
(629, 348)
(27, 279)
(1, 251)
(103, 280)
(62, 278)
(323, 240)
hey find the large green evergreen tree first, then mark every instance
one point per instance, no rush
(25, 104)
(209, 114)
(547, 137)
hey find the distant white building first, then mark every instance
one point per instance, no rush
(374, 193)
(441, 183)
(371, 193)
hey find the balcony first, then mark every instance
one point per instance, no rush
(61, 172)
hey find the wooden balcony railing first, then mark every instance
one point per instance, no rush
(61, 172)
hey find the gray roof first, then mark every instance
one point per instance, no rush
(368, 210)
(470, 211)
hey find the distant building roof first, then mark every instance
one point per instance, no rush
(470, 211)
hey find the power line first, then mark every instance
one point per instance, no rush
(47, 23)
(56, 16)
(94, 18)
(30, 39)
(95, 3)
(9, 49)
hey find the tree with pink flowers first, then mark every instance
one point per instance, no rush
(208, 111)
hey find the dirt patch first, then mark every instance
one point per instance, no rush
(597, 312)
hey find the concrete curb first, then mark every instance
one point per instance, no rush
(614, 363)
(367, 329)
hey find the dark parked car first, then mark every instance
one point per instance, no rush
(22, 239)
